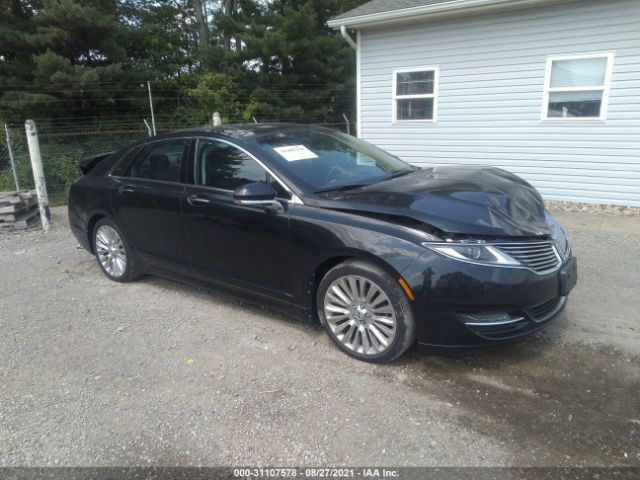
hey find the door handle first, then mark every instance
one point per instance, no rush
(126, 190)
(197, 200)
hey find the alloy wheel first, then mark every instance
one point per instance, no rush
(360, 315)
(110, 250)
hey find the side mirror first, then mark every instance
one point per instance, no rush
(257, 194)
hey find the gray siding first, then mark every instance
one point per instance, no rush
(491, 84)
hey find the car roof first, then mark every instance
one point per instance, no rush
(246, 131)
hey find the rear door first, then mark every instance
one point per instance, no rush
(146, 199)
(238, 244)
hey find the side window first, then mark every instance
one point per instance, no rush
(160, 162)
(124, 162)
(280, 190)
(224, 166)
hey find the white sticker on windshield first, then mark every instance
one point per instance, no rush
(291, 153)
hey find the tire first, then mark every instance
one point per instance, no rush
(377, 327)
(113, 252)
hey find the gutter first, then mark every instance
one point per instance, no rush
(445, 9)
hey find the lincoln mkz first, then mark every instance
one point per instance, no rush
(382, 253)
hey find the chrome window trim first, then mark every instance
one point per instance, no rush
(180, 184)
(295, 199)
(496, 245)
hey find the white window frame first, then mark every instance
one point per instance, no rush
(434, 95)
(604, 106)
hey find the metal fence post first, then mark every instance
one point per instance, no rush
(146, 124)
(38, 174)
(11, 158)
(346, 120)
(153, 117)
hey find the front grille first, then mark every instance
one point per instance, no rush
(546, 310)
(541, 257)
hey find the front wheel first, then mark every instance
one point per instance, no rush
(365, 312)
(113, 253)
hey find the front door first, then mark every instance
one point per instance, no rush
(238, 244)
(146, 202)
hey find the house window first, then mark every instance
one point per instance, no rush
(577, 86)
(415, 94)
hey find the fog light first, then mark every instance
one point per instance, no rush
(489, 318)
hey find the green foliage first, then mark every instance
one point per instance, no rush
(84, 64)
(221, 92)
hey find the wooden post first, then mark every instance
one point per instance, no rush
(38, 174)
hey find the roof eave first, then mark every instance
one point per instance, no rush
(439, 10)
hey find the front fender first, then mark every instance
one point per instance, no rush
(321, 236)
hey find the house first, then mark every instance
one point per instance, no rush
(549, 90)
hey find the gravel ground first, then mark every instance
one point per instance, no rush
(95, 373)
(561, 206)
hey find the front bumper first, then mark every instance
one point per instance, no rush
(449, 294)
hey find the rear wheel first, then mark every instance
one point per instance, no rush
(365, 312)
(113, 253)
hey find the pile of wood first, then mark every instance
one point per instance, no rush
(19, 210)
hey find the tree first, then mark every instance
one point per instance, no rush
(222, 93)
(86, 60)
(300, 59)
(62, 51)
(203, 25)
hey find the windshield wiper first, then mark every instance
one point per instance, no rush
(342, 187)
(402, 173)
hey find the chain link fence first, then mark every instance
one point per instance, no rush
(60, 154)
(62, 149)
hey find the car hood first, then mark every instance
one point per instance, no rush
(456, 200)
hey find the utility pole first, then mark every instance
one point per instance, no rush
(153, 118)
(38, 173)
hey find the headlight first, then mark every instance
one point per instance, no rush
(472, 252)
(559, 237)
(563, 246)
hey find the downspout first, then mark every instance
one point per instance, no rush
(356, 46)
(347, 37)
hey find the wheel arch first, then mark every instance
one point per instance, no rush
(91, 223)
(330, 261)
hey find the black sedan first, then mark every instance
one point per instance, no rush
(381, 253)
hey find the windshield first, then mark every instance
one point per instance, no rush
(328, 160)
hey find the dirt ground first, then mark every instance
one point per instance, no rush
(96, 373)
